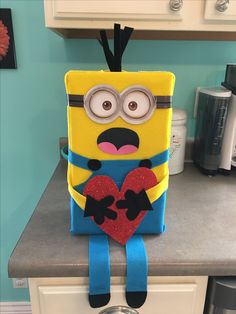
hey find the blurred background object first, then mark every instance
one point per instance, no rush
(177, 141)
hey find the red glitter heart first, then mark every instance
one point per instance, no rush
(99, 187)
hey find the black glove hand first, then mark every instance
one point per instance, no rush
(135, 202)
(99, 209)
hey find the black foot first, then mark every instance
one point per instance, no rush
(99, 300)
(136, 299)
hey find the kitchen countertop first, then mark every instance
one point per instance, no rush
(200, 237)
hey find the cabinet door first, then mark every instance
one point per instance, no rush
(114, 9)
(166, 297)
(223, 11)
(163, 298)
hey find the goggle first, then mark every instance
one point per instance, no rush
(103, 103)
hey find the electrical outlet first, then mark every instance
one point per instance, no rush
(20, 283)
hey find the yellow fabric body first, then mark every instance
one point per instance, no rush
(159, 83)
(154, 134)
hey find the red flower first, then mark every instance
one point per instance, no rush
(4, 40)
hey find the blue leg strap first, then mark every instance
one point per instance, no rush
(137, 272)
(99, 271)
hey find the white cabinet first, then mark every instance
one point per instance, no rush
(166, 295)
(143, 15)
(114, 9)
(97, 14)
(223, 11)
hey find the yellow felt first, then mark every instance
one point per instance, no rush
(78, 198)
(154, 134)
(159, 83)
(155, 192)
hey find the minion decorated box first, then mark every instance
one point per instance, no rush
(119, 134)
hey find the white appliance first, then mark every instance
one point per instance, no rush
(177, 141)
(228, 153)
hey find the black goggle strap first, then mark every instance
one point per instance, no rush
(75, 100)
(162, 102)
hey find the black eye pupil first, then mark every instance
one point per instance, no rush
(107, 105)
(133, 105)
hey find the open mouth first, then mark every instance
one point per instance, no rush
(118, 141)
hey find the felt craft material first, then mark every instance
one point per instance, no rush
(117, 223)
(87, 135)
(121, 38)
(99, 271)
(153, 134)
(137, 272)
(119, 132)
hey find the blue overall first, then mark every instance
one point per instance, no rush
(99, 258)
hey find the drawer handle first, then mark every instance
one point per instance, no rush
(222, 5)
(176, 5)
(119, 310)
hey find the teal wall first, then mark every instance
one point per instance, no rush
(33, 106)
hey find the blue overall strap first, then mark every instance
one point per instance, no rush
(77, 160)
(82, 162)
(137, 272)
(160, 159)
(99, 271)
